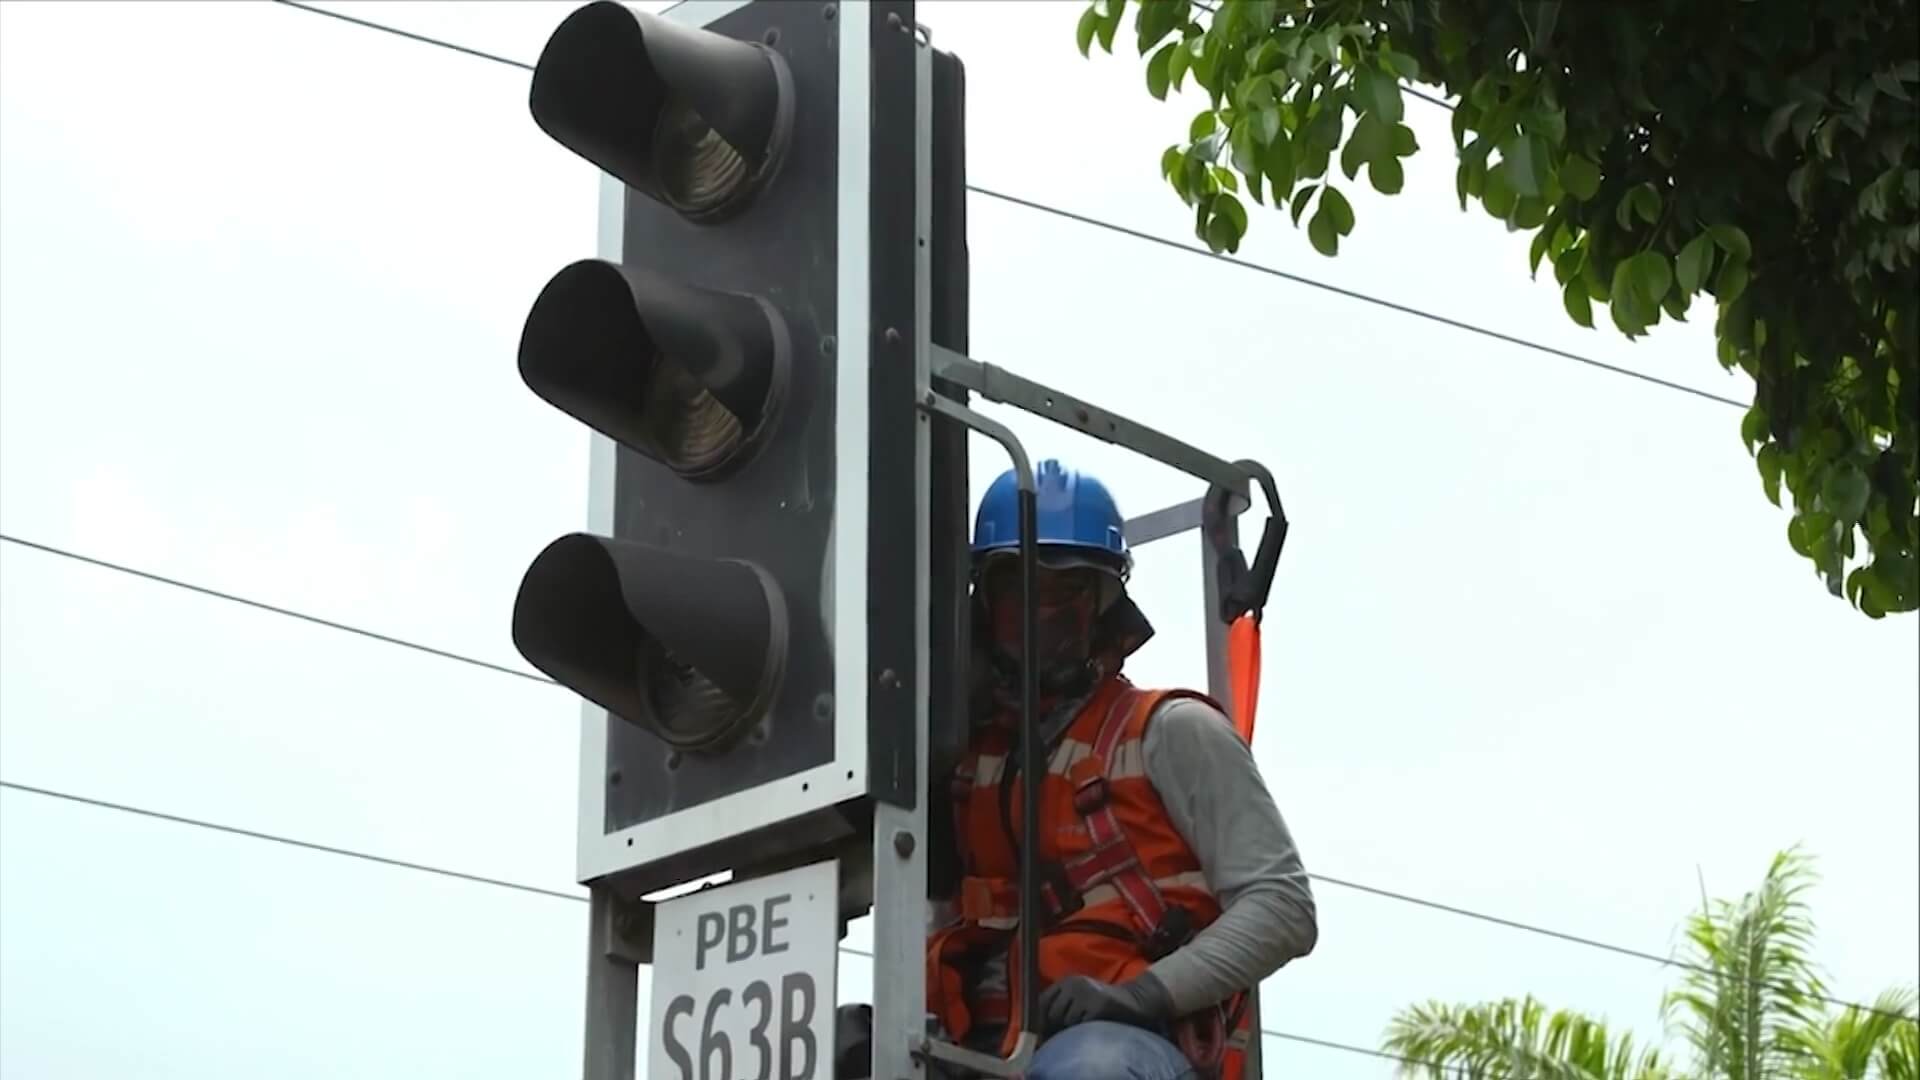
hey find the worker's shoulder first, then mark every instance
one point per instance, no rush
(1185, 714)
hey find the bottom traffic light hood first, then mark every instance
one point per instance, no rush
(691, 649)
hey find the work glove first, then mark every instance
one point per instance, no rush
(1142, 1001)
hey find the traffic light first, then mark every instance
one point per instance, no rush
(749, 607)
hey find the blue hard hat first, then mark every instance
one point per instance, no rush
(1073, 511)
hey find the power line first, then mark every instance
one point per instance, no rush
(289, 841)
(1176, 245)
(1324, 879)
(477, 879)
(288, 612)
(408, 34)
(1352, 294)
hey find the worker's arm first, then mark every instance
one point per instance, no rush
(1215, 797)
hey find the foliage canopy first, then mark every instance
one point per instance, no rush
(1765, 153)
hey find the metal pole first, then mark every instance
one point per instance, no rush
(613, 995)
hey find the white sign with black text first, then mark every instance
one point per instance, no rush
(743, 979)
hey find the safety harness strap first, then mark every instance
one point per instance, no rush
(1112, 858)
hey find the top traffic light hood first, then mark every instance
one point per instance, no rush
(695, 119)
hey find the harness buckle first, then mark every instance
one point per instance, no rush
(1057, 892)
(1091, 795)
(1174, 931)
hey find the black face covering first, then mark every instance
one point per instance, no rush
(1078, 644)
(1064, 621)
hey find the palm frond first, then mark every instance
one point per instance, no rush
(1754, 983)
(1847, 1045)
(1900, 1053)
(1514, 1039)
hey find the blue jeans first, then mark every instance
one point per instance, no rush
(1105, 1050)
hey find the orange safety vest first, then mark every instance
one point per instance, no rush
(1119, 885)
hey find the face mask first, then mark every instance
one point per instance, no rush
(1066, 604)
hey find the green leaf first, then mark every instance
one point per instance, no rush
(1732, 281)
(1301, 199)
(1327, 125)
(1266, 124)
(1567, 264)
(1497, 195)
(1170, 162)
(1807, 532)
(1111, 24)
(1404, 143)
(1203, 125)
(1277, 162)
(1464, 116)
(1380, 96)
(1550, 124)
(1332, 202)
(1199, 175)
(1845, 492)
(1228, 225)
(1321, 231)
(1627, 315)
(1262, 57)
(1180, 61)
(1732, 240)
(1403, 65)
(1623, 210)
(1327, 45)
(1225, 180)
(1769, 464)
(1651, 276)
(1370, 142)
(1754, 427)
(1089, 22)
(1580, 177)
(1646, 203)
(1206, 62)
(1776, 125)
(1529, 212)
(1695, 262)
(1526, 162)
(1259, 15)
(1387, 175)
(1159, 68)
(1579, 306)
(1541, 240)
(1246, 153)
(1156, 20)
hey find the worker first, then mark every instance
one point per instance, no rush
(1170, 884)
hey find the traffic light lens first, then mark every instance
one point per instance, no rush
(693, 433)
(689, 711)
(700, 172)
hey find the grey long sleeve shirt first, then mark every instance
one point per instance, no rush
(1215, 797)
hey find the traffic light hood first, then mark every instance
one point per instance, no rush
(694, 119)
(690, 377)
(689, 648)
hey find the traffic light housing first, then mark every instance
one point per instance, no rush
(745, 612)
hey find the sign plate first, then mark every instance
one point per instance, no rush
(743, 979)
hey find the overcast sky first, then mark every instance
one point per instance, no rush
(1538, 646)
